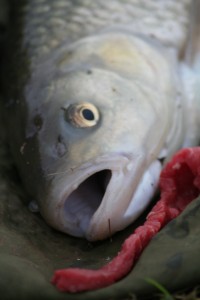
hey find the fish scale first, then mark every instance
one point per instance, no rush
(72, 20)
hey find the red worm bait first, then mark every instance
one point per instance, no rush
(179, 185)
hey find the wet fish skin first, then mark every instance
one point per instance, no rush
(116, 70)
(68, 21)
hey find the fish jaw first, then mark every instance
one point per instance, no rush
(97, 199)
(121, 206)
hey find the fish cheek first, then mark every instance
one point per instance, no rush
(75, 144)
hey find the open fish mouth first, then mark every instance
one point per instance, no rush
(82, 203)
(104, 196)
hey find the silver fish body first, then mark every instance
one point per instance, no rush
(102, 100)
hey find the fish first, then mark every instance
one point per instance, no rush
(99, 96)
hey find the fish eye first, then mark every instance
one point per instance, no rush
(88, 114)
(82, 115)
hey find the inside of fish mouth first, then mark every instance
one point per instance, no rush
(83, 202)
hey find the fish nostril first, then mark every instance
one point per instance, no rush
(60, 147)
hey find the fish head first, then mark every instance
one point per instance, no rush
(107, 113)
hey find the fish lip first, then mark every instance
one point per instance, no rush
(129, 203)
(124, 169)
(53, 211)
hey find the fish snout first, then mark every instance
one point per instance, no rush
(102, 197)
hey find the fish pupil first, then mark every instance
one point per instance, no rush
(88, 114)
